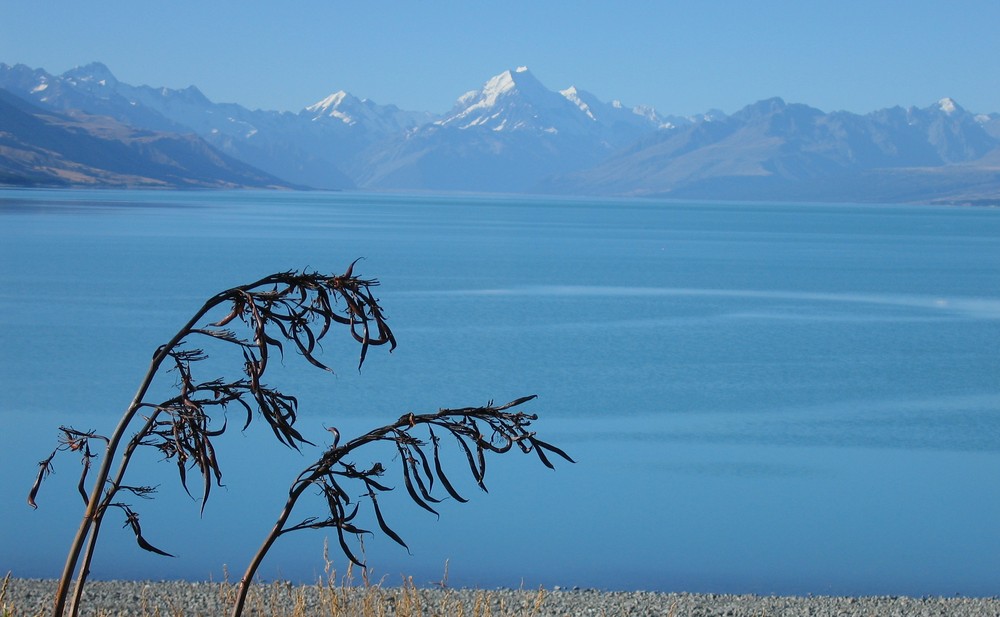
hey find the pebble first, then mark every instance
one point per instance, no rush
(31, 597)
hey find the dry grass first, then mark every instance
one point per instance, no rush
(5, 609)
(335, 595)
(407, 600)
(344, 596)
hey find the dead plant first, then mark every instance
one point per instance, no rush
(296, 308)
(477, 430)
(287, 307)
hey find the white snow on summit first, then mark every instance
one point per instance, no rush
(494, 88)
(333, 100)
(640, 117)
(330, 107)
(947, 105)
(345, 109)
(515, 100)
(573, 95)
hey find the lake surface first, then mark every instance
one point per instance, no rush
(764, 398)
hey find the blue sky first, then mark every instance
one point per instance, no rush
(681, 58)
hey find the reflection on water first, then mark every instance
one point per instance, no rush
(959, 424)
(987, 307)
(41, 202)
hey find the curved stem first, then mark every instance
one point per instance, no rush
(94, 512)
(115, 483)
(335, 454)
(298, 487)
(88, 553)
(279, 527)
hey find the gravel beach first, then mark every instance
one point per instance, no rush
(32, 597)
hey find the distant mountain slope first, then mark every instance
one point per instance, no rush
(513, 134)
(773, 150)
(506, 136)
(42, 148)
(281, 144)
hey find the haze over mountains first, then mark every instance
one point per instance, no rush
(513, 134)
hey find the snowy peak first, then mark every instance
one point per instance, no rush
(336, 106)
(331, 102)
(948, 106)
(583, 100)
(496, 87)
(516, 100)
(511, 82)
(617, 114)
(500, 89)
(345, 109)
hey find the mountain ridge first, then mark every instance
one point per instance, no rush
(44, 148)
(514, 134)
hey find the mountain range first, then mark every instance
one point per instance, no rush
(513, 134)
(50, 149)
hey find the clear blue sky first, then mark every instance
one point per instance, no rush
(681, 58)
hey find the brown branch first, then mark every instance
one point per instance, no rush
(508, 428)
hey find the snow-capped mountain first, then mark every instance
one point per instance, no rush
(620, 125)
(516, 101)
(615, 113)
(772, 149)
(506, 136)
(348, 110)
(515, 134)
(343, 127)
(285, 144)
(956, 135)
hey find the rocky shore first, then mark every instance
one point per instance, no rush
(26, 597)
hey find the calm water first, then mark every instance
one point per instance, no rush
(761, 398)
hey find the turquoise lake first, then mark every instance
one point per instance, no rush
(761, 398)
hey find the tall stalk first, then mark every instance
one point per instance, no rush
(92, 517)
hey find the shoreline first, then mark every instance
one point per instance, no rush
(29, 597)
